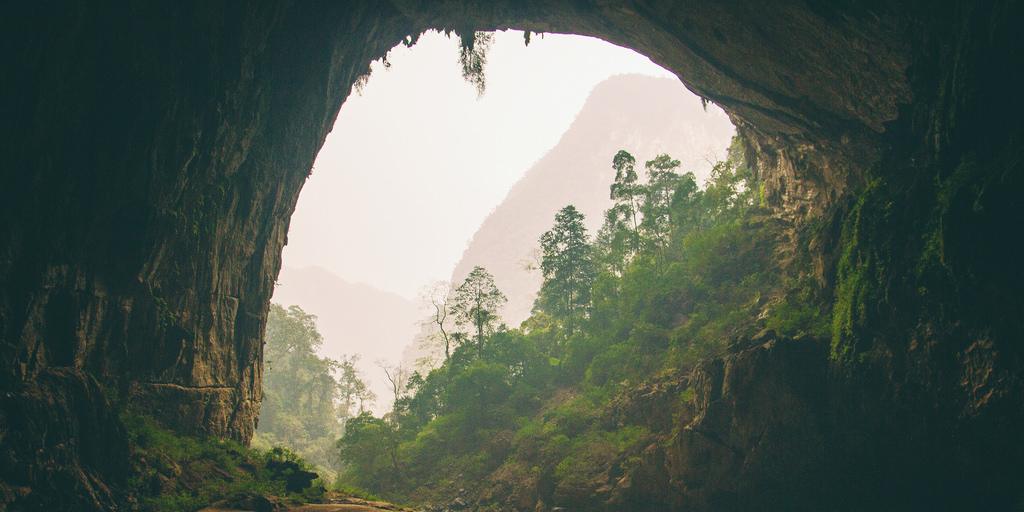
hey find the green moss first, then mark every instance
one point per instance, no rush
(860, 274)
(933, 256)
(803, 311)
(689, 396)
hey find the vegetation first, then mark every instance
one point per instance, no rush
(476, 302)
(306, 398)
(307, 401)
(473, 50)
(172, 472)
(676, 273)
(568, 269)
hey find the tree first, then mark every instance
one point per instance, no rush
(398, 377)
(439, 298)
(662, 182)
(369, 448)
(627, 193)
(476, 303)
(477, 392)
(568, 269)
(352, 389)
(534, 401)
(306, 398)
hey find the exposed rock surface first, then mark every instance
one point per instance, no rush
(58, 432)
(154, 151)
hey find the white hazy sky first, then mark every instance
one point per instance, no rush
(417, 161)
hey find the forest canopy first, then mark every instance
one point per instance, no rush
(675, 274)
(306, 398)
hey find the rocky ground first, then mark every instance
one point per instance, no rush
(332, 502)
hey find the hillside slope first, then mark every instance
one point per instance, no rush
(644, 115)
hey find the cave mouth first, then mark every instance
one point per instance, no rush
(187, 131)
(412, 203)
(226, 131)
(377, 194)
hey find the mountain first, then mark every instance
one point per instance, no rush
(644, 115)
(353, 318)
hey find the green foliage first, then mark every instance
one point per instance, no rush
(675, 274)
(473, 58)
(476, 303)
(568, 269)
(947, 191)
(860, 271)
(800, 312)
(375, 442)
(622, 224)
(689, 395)
(592, 453)
(306, 398)
(172, 472)
(663, 190)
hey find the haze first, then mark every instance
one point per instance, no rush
(417, 161)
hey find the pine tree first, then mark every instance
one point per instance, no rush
(623, 218)
(568, 269)
(658, 193)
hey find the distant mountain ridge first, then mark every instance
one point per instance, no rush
(644, 115)
(354, 318)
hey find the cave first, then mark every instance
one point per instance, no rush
(155, 151)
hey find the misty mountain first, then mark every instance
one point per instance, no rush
(644, 115)
(353, 318)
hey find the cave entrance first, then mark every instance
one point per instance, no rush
(429, 173)
(175, 139)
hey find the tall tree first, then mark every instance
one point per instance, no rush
(568, 269)
(398, 377)
(476, 303)
(439, 297)
(306, 398)
(627, 193)
(353, 393)
(658, 194)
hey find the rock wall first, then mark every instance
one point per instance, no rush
(153, 154)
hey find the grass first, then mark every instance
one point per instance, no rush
(172, 472)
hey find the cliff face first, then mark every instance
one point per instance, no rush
(153, 154)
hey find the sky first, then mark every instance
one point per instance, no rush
(417, 160)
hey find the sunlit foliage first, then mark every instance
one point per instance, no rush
(676, 273)
(307, 398)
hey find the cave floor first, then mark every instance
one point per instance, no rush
(336, 503)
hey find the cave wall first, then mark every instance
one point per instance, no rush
(153, 153)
